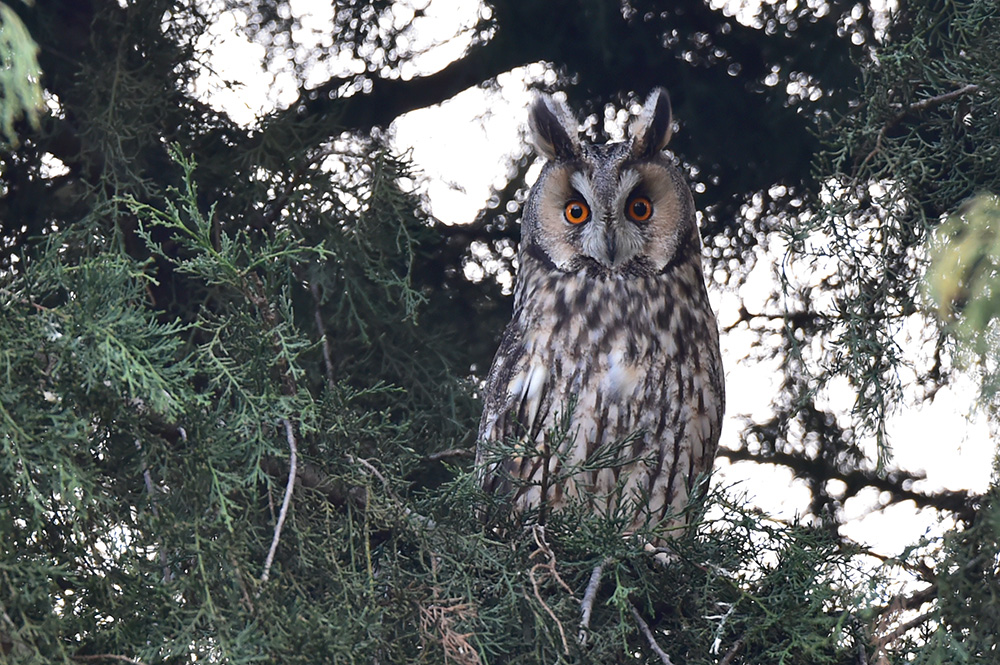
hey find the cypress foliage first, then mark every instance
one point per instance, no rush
(238, 366)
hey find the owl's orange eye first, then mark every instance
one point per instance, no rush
(639, 209)
(576, 212)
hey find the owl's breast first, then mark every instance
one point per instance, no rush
(593, 344)
(595, 366)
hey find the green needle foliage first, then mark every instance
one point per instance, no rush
(20, 75)
(239, 365)
(146, 462)
(146, 457)
(924, 137)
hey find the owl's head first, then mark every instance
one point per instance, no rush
(616, 208)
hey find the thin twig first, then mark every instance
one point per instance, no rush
(327, 352)
(107, 656)
(425, 521)
(588, 601)
(942, 98)
(543, 548)
(371, 469)
(538, 596)
(881, 642)
(921, 105)
(289, 488)
(451, 452)
(728, 658)
(539, 533)
(648, 634)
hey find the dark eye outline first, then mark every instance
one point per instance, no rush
(584, 210)
(630, 212)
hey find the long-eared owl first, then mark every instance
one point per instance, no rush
(608, 383)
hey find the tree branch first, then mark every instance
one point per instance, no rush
(390, 98)
(915, 107)
(588, 601)
(733, 650)
(893, 482)
(106, 656)
(289, 487)
(650, 638)
(448, 454)
(902, 629)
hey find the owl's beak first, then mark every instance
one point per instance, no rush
(611, 245)
(605, 244)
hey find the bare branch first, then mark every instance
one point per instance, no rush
(286, 501)
(733, 650)
(941, 99)
(446, 454)
(371, 469)
(916, 107)
(895, 482)
(902, 629)
(388, 98)
(538, 531)
(648, 634)
(106, 656)
(588, 601)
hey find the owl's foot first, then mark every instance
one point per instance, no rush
(662, 555)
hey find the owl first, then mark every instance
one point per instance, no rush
(608, 383)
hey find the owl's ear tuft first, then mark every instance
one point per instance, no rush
(554, 130)
(651, 131)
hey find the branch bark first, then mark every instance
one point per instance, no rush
(650, 638)
(286, 501)
(959, 503)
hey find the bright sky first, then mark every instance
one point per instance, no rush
(460, 147)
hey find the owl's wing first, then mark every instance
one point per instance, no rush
(515, 403)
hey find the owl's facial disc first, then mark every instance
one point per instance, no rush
(608, 210)
(614, 234)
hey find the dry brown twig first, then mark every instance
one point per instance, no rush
(538, 531)
(437, 622)
(448, 454)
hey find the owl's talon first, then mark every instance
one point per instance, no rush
(662, 555)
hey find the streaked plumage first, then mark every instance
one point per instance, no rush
(610, 314)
